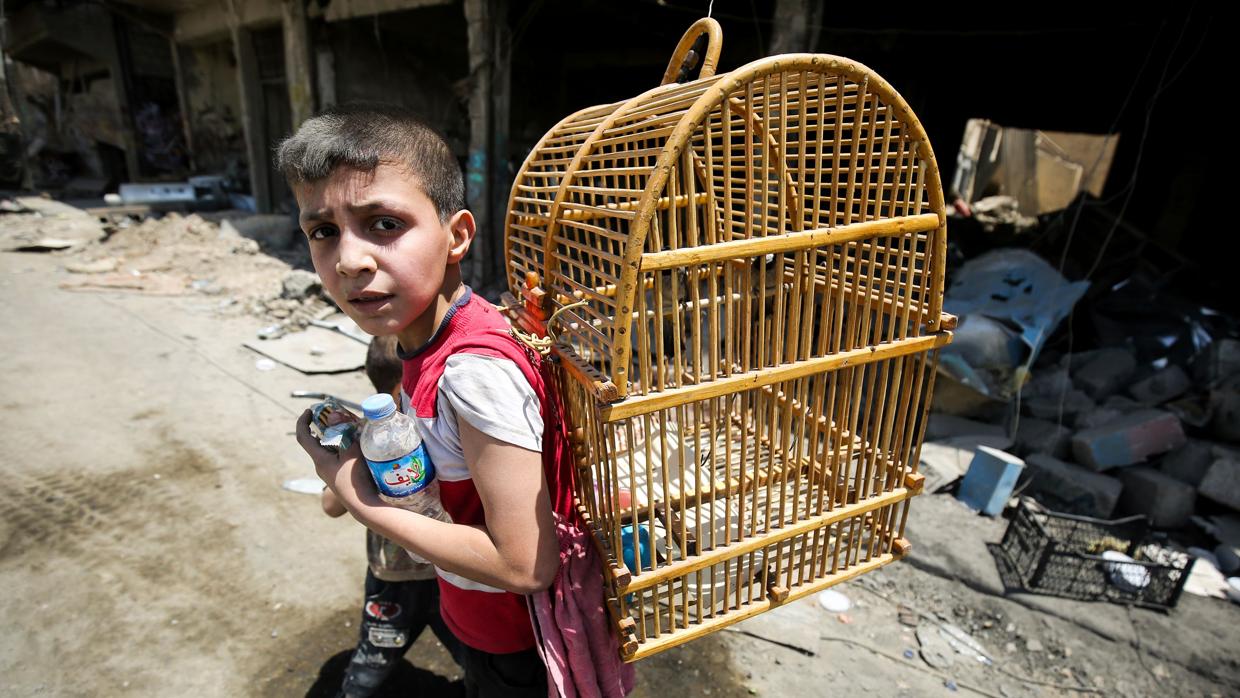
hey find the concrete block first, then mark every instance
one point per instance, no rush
(947, 426)
(1167, 384)
(1225, 409)
(1189, 462)
(1222, 483)
(1097, 417)
(988, 484)
(1077, 359)
(1225, 528)
(1166, 501)
(1219, 360)
(1071, 489)
(1122, 404)
(1127, 440)
(1106, 372)
(1073, 403)
(1049, 381)
(300, 284)
(1228, 559)
(1035, 435)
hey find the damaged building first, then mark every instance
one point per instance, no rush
(150, 91)
(197, 93)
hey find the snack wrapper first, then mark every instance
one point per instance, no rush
(334, 426)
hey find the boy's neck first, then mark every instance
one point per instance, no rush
(420, 331)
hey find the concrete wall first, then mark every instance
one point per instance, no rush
(214, 105)
(412, 58)
(208, 23)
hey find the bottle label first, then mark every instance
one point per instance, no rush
(405, 475)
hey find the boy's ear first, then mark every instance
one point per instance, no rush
(462, 227)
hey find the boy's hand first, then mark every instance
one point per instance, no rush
(343, 473)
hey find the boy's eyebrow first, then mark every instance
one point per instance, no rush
(323, 214)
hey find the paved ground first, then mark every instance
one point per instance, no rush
(147, 548)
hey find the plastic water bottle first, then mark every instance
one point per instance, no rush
(397, 459)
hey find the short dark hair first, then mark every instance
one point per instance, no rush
(363, 135)
(383, 366)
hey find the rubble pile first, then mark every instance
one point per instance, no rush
(246, 261)
(1101, 436)
(1145, 422)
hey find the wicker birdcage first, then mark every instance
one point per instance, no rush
(749, 273)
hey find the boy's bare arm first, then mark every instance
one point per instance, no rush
(517, 550)
(331, 504)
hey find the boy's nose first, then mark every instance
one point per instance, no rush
(355, 256)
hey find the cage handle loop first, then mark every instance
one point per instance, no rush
(691, 52)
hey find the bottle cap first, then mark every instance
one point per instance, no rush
(378, 406)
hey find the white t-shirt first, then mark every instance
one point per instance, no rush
(493, 396)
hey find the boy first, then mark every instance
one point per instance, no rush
(401, 596)
(382, 205)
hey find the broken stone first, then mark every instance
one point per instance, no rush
(1225, 409)
(1033, 645)
(990, 480)
(1228, 559)
(245, 247)
(1225, 528)
(1105, 372)
(1222, 483)
(1071, 489)
(300, 284)
(1219, 360)
(1098, 417)
(1052, 407)
(1127, 440)
(1122, 404)
(1167, 384)
(1077, 360)
(1189, 462)
(1051, 381)
(1035, 435)
(1167, 501)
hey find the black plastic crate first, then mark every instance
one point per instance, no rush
(1046, 552)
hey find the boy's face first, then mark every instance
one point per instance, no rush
(380, 248)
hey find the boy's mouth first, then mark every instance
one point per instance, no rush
(368, 300)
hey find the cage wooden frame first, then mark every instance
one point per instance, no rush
(757, 263)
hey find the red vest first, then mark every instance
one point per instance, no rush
(492, 622)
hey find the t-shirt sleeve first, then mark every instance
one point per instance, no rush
(493, 396)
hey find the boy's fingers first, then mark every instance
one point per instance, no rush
(306, 439)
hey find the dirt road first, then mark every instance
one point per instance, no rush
(147, 547)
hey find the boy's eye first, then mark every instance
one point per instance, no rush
(322, 232)
(386, 225)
